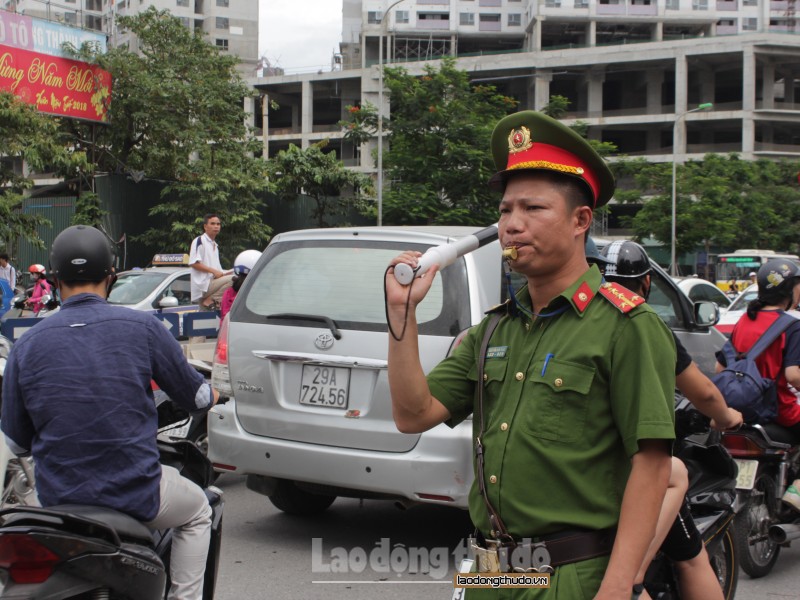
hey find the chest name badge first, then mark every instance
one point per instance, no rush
(496, 351)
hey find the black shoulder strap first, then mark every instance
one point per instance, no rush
(498, 527)
(198, 242)
(775, 330)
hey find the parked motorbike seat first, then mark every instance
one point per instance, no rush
(780, 434)
(128, 528)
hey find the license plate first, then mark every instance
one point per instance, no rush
(327, 387)
(176, 433)
(746, 478)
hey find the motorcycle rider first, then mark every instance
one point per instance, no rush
(90, 421)
(243, 264)
(676, 535)
(41, 287)
(778, 282)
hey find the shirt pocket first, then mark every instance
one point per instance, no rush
(556, 400)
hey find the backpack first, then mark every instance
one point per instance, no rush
(741, 383)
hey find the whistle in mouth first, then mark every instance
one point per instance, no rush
(510, 253)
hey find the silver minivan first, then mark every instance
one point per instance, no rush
(302, 355)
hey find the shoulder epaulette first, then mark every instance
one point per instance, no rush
(502, 307)
(622, 298)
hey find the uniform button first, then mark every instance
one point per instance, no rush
(520, 376)
(504, 426)
(582, 297)
(493, 479)
(485, 377)
(528, 326)
(559, 382)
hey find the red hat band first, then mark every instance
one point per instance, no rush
(524, 153)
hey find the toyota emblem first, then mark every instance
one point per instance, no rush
(324, 341)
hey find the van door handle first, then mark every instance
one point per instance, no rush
(326, 360)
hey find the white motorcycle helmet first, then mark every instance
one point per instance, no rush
(245, 261)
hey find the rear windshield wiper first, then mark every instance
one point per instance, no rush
(299, 317)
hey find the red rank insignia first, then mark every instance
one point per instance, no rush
(582, 296)
(621, 297)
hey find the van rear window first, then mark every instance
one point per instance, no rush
(343, 280)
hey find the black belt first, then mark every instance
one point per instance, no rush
(545, 553)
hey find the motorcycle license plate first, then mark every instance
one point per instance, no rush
(746, 478)
(326, 387)
(175, 433)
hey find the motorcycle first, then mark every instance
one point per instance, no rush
(175, 423)
(20, 310)
(768, 463)
(76, 551)
(712, 497)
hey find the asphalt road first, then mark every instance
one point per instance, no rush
(363, 551)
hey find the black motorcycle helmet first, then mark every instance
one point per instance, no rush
(626, 260)
(776, 279)
(81, 253)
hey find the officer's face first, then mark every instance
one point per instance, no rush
(538, 220)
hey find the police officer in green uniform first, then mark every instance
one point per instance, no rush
(572, 403)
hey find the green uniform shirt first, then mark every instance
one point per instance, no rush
(566, 401)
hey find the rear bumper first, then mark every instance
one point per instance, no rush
(439, 466)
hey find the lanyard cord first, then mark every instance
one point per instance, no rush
(386, 308)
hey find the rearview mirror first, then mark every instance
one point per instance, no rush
(706, 313)
(168, 302)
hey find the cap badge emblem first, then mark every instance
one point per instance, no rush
(519, 140)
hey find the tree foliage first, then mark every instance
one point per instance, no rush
(436, 156)
(35, 138)
(319, 175)
(177, 115)
(721, 201)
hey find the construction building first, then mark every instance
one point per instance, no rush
(634, 70)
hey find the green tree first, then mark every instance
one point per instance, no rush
(436, 156)
(319, 175)
(177, 115)
(721, 201)
(35, 138)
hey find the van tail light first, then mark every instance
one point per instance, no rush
(26, 559)
(741, 446)
(220, 373)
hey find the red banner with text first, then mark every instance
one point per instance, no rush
(57, 86)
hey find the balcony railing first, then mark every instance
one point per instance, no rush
(490, 26)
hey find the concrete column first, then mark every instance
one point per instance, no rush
(265, 125)
(655, 80)
(541, 84)
(536, 36)
(653, 140)
(250, 111)
(768, 84)
(681, 93)
(594, 82)
(681, 83)
(454, 45)
(307, 121)
(591, 34)
(748, 102)
(707, 84)
(658, 33)
(788, 87)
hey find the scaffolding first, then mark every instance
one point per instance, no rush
(407, 49)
